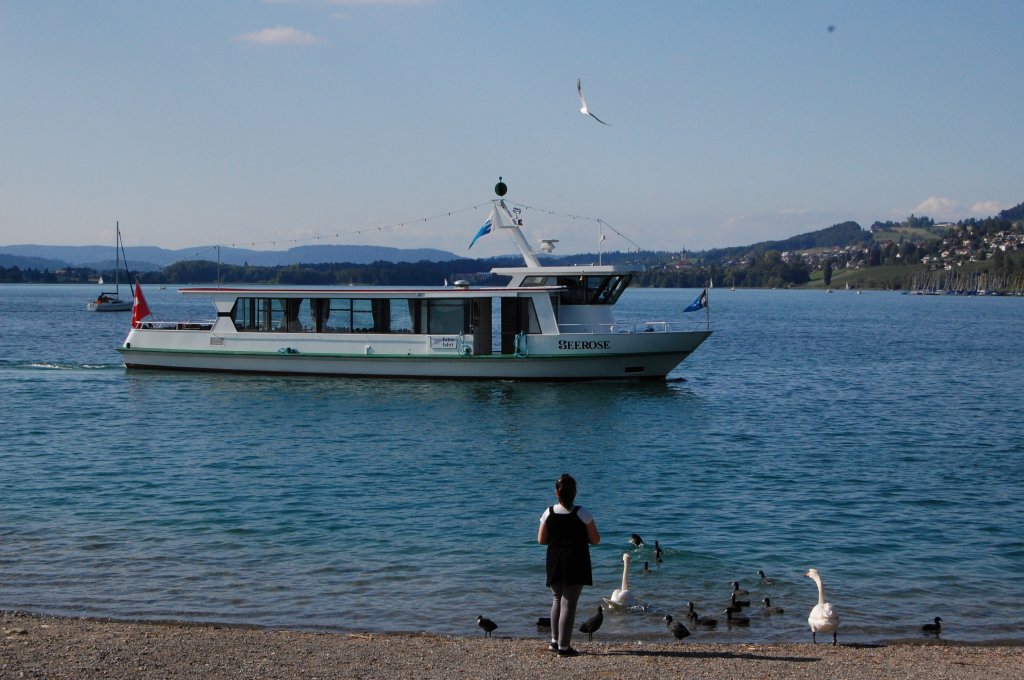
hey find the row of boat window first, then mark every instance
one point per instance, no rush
(584, 290)
(342, 315)
(396, 315)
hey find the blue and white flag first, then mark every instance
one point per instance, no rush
(484, 230)
(700, 303)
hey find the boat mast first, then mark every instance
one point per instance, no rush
(511, 224)
(124, 258)
(501, 218)
(117, 261)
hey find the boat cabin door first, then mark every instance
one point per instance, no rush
(481, 326)
(517, 316)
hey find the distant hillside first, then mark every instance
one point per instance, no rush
(912, 234)
(326, 254)
(148, 258)
(1013, 214)
(29, 262)
(842, 234)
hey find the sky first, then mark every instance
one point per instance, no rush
(276, 123)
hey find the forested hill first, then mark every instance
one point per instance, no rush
(1013, 214)
(842, 234)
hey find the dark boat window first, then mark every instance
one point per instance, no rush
(279, 315)
(351, 315)
(346, 315)
(290, 315)
(445, 316)
(252, 314)
(593, 290)
(362, 316)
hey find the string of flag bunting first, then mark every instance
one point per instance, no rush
(598, 220)
(407, 223)
(337, 234)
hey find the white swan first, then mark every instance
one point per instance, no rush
(621, 597)
(823, 618)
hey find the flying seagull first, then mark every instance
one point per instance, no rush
(583, 103)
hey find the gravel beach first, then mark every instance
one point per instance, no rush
(33, 646)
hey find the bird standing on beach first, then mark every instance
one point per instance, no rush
(823, 618)
(933, 628)
(583, 103)
(591, 625)
(676, 628)
(488, 625)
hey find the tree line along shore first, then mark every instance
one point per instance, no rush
(971, 256)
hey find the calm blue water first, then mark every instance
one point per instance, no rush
(876, 437)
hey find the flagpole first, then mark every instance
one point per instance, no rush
(707, 308)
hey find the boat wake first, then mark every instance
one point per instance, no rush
(57, 366)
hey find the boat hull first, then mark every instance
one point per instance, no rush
(639, 356)
(112, 306)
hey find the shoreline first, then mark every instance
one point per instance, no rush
(36, 645)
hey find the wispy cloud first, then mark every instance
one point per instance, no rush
(940, 207)
(949, 209)
(987, 208)
(279, 35)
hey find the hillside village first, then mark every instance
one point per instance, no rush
(889, 255)
(961, 246)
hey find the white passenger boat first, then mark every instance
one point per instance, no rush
(547, 323)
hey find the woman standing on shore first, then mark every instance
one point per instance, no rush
(568, 531)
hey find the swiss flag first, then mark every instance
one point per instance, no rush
(140, 310)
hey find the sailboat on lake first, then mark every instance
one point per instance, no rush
(111, 301)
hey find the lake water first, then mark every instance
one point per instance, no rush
(876, 437)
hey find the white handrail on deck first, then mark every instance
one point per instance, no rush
(633, 327)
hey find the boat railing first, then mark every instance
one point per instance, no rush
(631, 327)
(177, 325)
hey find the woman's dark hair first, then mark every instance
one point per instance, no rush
(565, 489)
